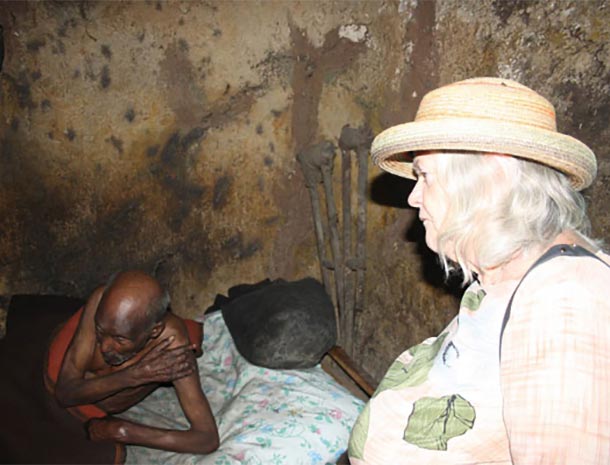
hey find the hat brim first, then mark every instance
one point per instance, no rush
(391, 148)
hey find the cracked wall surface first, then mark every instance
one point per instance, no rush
(163, 136)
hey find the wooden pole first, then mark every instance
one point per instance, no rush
(350, 369)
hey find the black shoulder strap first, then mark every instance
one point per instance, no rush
(555, 251)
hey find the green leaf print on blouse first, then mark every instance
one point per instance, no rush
(399, 376)
(416, 371)
(436, 420)
(359, 433)
(472, 300)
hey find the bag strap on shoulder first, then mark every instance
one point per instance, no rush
(555, 251)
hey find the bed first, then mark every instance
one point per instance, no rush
(264, 416)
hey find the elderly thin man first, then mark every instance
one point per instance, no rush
(118, 349)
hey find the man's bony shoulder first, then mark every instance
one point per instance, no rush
(174, 326)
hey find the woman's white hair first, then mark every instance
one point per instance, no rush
(500, 206)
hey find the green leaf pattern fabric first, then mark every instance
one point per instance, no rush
(398, 376)
(434, 421)
(472, 299)
(416, 371)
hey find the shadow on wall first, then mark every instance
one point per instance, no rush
(392, 191)
(431, 269)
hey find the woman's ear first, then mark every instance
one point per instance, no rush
(157, 329)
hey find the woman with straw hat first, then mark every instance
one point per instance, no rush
(522, 374)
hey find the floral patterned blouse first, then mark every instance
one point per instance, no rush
(450, 400)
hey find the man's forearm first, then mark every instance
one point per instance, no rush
(187, 441)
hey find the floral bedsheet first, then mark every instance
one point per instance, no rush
(264, 416)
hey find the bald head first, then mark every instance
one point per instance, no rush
(136, 297)
(130, 313)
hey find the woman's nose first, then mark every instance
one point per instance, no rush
(414, 198)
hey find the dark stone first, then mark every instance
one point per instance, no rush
(130, 115)
(248, 250)
(45, 105)
(62, 31)
(70, 134)
(271, 220)
(240, 250)
(174, 175)
(170, 151)
(152, 151)
(35, 44)
(282, 325)
(105, 77)
(106, 51)
(221, 192)
(504, 9)
(117, 144)
(23, 91)
(232, 242)
(193, 136)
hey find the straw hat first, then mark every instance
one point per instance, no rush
(485, 115)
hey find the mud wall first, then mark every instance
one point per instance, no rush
(559, 48)
(163, 135)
